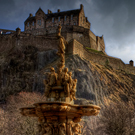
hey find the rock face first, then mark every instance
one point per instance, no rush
(24, 70)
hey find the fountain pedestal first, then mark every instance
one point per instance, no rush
(60, 118)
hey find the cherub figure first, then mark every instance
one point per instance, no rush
(77, 129)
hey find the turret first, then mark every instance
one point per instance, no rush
(81, 6)
(131, 62)
(18, 31)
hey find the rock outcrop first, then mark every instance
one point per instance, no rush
(24, 70)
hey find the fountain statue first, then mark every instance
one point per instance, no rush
(58, 115)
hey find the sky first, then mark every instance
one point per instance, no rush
(114, 19)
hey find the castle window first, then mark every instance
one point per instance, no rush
(71, 17)
(65, 18)
(32, 23)
(53, 19)
(28, 24)
(39, 22)
(59, 19)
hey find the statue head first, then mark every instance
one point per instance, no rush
(70, 73)
(59, 31)
(60, 70)
(52, 69)
(66, 70)
(75, 80)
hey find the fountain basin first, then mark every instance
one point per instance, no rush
(60, 109)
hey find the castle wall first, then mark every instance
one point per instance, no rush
(100, 44)
(42, 43)
(100, 58)
(7, 42)
(69, 47)
(93, 44)
(82, 35)
(78, 48)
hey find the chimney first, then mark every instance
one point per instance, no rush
(58, 10)
(81, 6)
(48, 11)
(131, 63)
(30, 15)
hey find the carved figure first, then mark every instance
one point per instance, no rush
(77, 129)
(61, 46)
(62, 57)
(73, 90)
(52, 77)
(62, 129)
(70, 125)
(55, 128)
(61, 65)
(62, 42)
(66, 81)
(70, 80)
(47, 129)
(59, 30)
(59, 77)
(47, 87)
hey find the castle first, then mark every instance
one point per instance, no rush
(40, 31)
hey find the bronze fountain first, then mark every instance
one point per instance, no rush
(58, 115)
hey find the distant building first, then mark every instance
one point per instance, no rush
(42, 20)
(74, 26)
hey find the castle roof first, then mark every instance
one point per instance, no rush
(62, 14)
(40, 10)
(30, 19)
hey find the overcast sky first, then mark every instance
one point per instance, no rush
(114, 19)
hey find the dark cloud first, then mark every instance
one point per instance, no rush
(112, 18)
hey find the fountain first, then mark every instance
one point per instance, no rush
(58, 115)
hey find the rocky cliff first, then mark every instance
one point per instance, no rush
(23, 69)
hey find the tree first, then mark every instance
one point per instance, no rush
(12, 122)
(117, 119)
